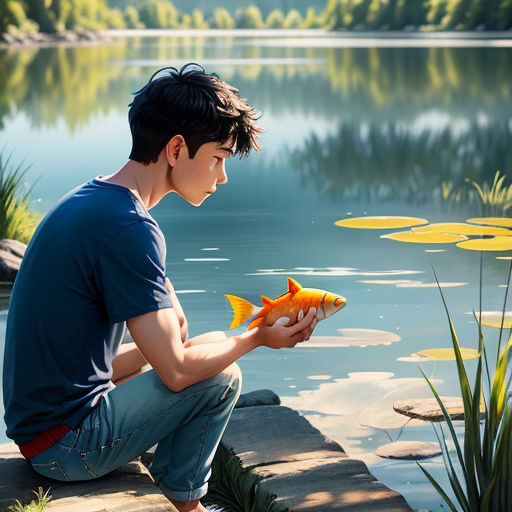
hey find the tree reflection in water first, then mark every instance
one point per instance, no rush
(390, 161)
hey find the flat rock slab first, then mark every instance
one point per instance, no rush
(128, 489)
(305, 469)
(408, 450)
(428, 409)
(259, 397)
(272, 433)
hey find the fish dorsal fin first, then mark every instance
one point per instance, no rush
(266, 301)
(293, 286)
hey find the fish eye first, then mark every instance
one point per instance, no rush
(337, 302)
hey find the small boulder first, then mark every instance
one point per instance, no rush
(13, 246)
(259, 397)
(408, 450)
(9, 266)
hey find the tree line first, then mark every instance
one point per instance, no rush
(59, 15)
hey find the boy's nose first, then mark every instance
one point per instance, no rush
(223, 177)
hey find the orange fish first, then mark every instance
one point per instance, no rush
(289, 304)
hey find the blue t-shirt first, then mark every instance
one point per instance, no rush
(96, 260)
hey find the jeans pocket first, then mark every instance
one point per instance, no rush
(51, 470)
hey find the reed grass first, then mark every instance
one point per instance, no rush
(486, 455)
(17, 221)
(496, 199)
(37, 505)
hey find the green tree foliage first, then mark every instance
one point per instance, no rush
(380, 14)
(275, 19)
(12, 14)
(293, 19)
(198, 20)
(222, 19)
(115, 19)
(249, 17)
(311, 20)
(131, 18)
(159, 14)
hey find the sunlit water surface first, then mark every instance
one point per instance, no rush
(351, 132)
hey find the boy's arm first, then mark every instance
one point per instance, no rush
(157, 335)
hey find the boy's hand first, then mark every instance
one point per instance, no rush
(178, 310)
(281, 335)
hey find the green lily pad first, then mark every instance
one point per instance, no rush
(497, 243)
(446, 354)
(380, 222)
(460, 228)
(424, 238)
(493, 221)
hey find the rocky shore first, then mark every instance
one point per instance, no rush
(68, 37)
(306, 470)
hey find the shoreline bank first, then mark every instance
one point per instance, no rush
(355, 38)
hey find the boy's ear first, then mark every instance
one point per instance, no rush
(173, 149)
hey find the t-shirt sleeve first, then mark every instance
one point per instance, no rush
(130, 273)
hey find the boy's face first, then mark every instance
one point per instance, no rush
(196, 178)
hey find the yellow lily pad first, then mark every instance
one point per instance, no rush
(460, 228)
(497, 243)
(446, 354)
(493, 319)
(424, 238)
(380, 222)
(493, 221)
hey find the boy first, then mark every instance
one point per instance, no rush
(95, 266)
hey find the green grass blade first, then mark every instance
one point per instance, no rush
(449, 422)
(452, 476)
(438, 488)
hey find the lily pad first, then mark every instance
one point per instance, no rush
(493, 221)
(460, 228)
(352, 338)
(424, 238)
(380, 222)
(497, 243)
(446, 354)
(493, 319)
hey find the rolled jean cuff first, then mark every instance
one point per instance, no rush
(193, 494)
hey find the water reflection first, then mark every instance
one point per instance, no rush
(334, 83)
(387, 161)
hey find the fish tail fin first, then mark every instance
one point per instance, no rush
(242, 310)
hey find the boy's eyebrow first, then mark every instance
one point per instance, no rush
(227, 150)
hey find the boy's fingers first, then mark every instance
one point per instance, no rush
(299, 326)
(282, 321)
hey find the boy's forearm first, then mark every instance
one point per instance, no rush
(128, 361)
(207, 337)
(206, 360)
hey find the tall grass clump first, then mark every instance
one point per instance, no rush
(496, 199)
(237, 489)
(486, 455)
(37, 505)
(16, 220)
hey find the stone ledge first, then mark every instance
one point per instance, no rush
(128, 489)
(306, 470)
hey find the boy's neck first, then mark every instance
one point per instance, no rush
(149, 183)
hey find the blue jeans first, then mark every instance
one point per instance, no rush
(142, 412)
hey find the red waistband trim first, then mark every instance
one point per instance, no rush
(43, 441)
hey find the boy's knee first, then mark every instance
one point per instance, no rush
(232, 377)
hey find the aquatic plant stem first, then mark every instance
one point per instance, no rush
(503, 312)
(480, 320)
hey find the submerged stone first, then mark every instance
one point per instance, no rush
(408, 450)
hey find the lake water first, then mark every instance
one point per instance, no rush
(351, 132)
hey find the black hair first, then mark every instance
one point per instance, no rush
(192, 103)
